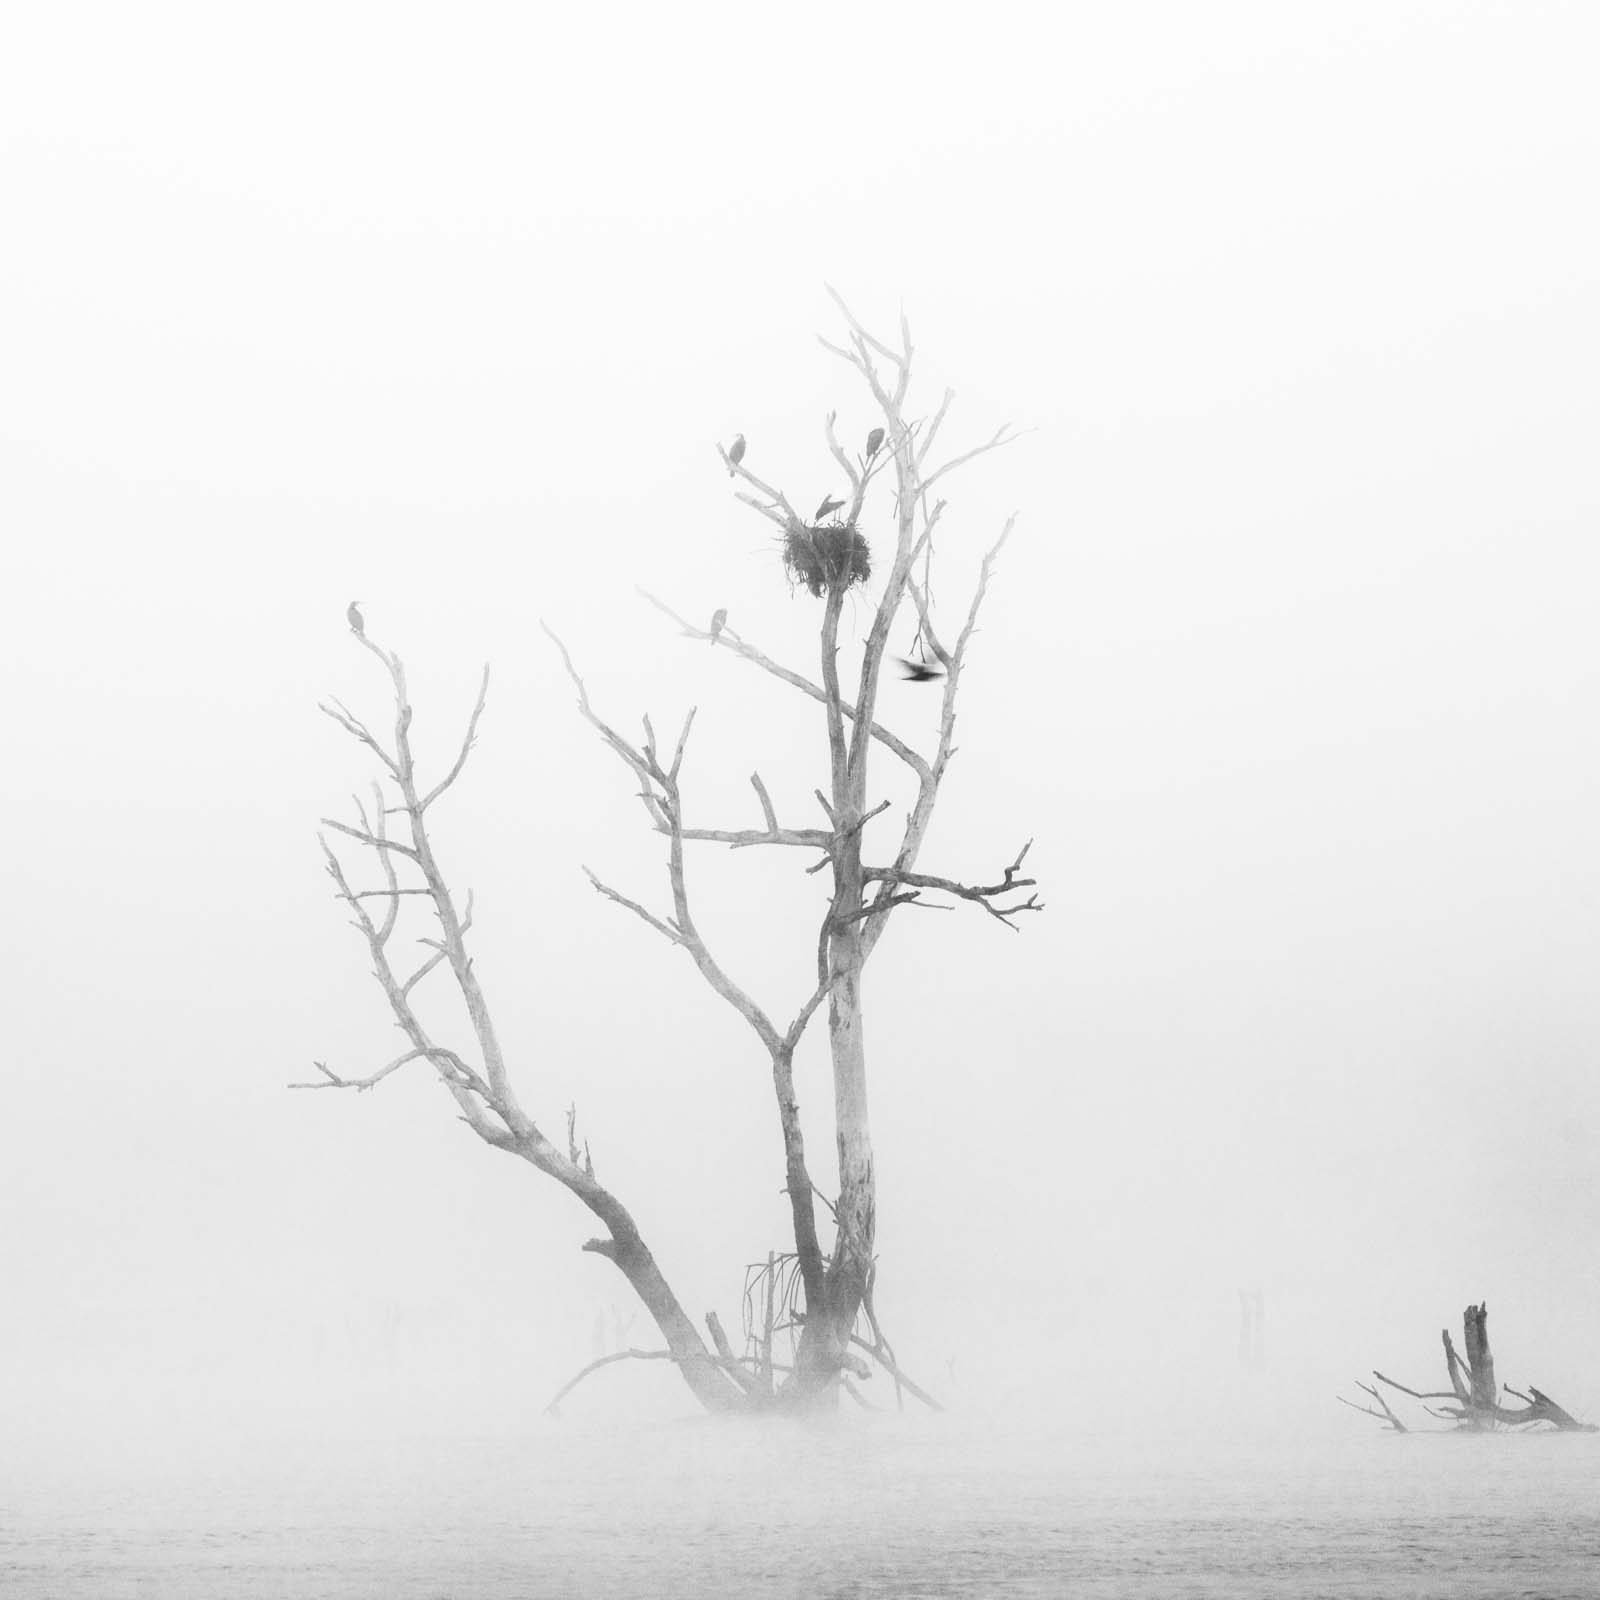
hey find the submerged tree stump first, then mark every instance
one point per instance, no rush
(1473, 1390)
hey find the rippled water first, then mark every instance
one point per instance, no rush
(875, 1508)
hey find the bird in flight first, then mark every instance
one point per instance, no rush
(735, 452)
(919, 671)
(874, 442)
(353, 617)
(718, 618)
(827, 508)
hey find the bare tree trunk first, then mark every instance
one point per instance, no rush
(1475, 1335)
(858, 1190)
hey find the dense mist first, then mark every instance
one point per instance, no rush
(1288, 671)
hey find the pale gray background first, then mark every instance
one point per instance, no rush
(1290, 669)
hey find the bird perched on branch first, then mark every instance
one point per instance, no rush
(718, 618)
(827, 508)
(735, 452)
(874, 442)
(919, 671)
(352, 614)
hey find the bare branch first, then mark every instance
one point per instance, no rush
(883, 903)
(370, 838)
(1393, 1421)
(932, 431)
(1416, 1394)
(855, 1393)
(901, 358)
(928, 787)
(740, 1374)
(605, 1361)
(803, 1016)
(846, 465)
(1002, 436)
(776, 507)
(984, 894)
(1386, 1415)
(666, 930)
(840, 351)
(889, 1365)
(683, 739)
(466, 745)
(386, 860)
(422, 972)
(771, 513)
(353, 725)
(734, 1367)
(766, 802)
(743, 838)
(455, 1067)
(749, 652)
(682, 929)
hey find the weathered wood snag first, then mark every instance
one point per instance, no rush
(1473, 1396)
(818, 1294)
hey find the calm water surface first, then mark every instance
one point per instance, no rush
(885, 1507)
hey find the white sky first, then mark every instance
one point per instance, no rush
(1289, 670)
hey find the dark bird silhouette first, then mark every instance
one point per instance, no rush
(827, 508)
(353, 616)
(874, 442)
(717, 619)
(735, 452)
(919, 671)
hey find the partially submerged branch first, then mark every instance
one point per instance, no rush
(1386, 1415)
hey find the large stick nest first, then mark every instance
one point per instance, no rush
(826, 555)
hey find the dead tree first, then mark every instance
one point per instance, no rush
(482, 1092)
(828, 556)
(1473, 1396)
